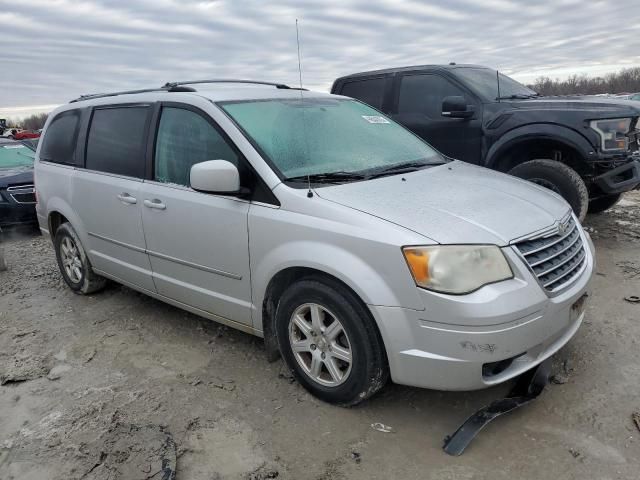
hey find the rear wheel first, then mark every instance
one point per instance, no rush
(330, 342)
(73, 262)
(605, 202)
(559, 178)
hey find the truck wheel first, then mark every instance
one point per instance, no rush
(603, 203)
(73, 262)
(330, 342)
(559, 178)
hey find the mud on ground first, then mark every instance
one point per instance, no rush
(117, 385)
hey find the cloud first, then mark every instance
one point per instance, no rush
(55, 50)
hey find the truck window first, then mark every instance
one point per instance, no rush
(370, 91)
(116, 142)
(425, 93)
(184, 139)
(59, 143)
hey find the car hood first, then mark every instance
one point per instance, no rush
(9, 176)
(454, 203)
(600, 107)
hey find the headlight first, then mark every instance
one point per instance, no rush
(613, 133)
(456, 269)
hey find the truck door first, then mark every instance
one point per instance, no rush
(419, 108)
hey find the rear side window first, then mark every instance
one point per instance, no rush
(425, 93)
(59, 143)
(117, 139)
(184, 139)
(369, 91)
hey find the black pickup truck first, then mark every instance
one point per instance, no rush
(584, 148)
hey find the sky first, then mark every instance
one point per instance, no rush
(55, 50)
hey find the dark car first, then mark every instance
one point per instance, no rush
(17, 194)
(582, 148)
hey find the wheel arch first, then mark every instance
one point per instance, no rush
(539, 141)
(276, 287)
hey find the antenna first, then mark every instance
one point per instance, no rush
(299, 62)
(498, 80)
(309, 192)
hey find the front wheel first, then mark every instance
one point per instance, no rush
(605, 202)
(559, 178)
(330, 342)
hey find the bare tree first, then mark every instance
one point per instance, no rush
(626, 80)
(34, 122)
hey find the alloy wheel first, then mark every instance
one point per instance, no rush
(71, 259)
(320, 344)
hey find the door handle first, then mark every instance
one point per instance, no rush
(124, 197)
(155, 203)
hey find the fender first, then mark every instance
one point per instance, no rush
(57, 204)
(366, 282)
(541, 131)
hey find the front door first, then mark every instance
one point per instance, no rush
(419, 108)
(106, 194)
(198, 243)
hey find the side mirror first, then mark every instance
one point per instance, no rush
(215, 176)
(456, 107)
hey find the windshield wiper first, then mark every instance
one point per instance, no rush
(329, 177)
(401, 168)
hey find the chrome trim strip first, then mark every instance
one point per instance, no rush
(563, 262)
(167, 257)
(579, 264)
(547, 245)
(543, 232)
(556, 254)
(117, 242)
(194, 265)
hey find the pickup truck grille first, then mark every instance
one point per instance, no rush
(555, 259)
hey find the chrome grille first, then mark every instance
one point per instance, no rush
(22, 193)
(556, 258)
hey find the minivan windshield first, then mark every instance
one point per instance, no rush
(331, 139)
(15, 155)
(485, 83)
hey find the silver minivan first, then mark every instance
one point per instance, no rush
(355, 249)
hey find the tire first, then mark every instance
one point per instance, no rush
(559, 178)
(74, 264)
(359, 340)
(605, 202)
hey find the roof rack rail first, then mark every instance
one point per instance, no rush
(113, 94)
(180, 87)
(222, 80)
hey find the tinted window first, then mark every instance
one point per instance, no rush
(484, 81)
(425, 93)
(116, 141)
(59, 143)
(184, 139)
(369, 91)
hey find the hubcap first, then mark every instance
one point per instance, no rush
(320, 344)
(71, 259)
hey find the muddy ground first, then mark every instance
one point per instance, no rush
(119, 386)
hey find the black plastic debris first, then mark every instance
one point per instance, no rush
(527, 388)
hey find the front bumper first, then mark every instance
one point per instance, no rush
(620, 179)
(473, 341)
(17, 214)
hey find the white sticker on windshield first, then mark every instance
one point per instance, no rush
(12, 146)
(375, 119)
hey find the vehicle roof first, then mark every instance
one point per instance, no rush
(412, 68)
(213, 92)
